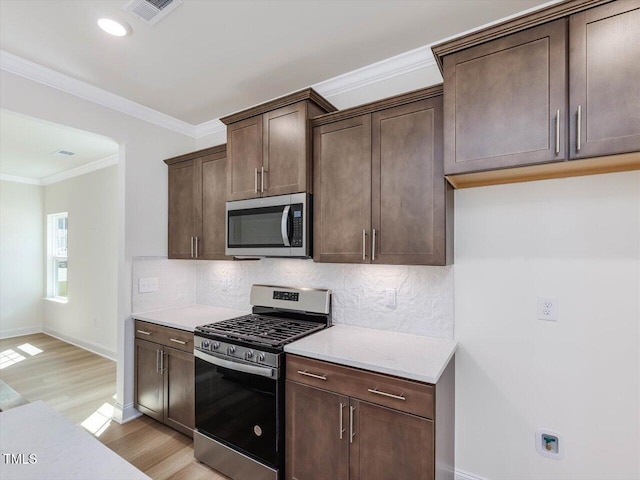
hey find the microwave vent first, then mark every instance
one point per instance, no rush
(151, 11)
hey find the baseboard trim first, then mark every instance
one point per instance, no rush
(89, 346)
(124, 414)
(462, 475)
(18, 332)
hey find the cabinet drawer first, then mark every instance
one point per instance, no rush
(170, 337)
(397, 393)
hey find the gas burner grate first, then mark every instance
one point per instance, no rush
(263, 329)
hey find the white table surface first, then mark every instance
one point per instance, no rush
(400, 354)
(189, 317)
(64, 451)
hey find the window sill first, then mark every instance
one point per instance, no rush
(57, 300)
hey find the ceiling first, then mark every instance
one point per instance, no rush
(26, 145)
(207, 59)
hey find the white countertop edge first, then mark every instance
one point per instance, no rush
(187, 317)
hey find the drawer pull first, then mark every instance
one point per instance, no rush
(312, 375)
(178, 341)
(143, 332)
(385, 394)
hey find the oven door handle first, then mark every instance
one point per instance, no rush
(231, 365)
(284, 226)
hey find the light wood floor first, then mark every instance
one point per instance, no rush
(78, 384)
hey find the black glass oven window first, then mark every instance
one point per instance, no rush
(238, 409)
(256, 227)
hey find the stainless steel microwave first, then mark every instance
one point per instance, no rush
(269, 227)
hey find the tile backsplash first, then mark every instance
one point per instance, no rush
(424, 297)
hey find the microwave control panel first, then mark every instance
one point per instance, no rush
(298, 222)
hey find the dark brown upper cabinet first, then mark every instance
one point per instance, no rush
(505, 101)
(269, 146)
(379, 190)
(197, 196)
(604, 68)
(549, 86)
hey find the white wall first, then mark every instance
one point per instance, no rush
(21, 257)
(142, 190)
(89, 316)
(576, 239)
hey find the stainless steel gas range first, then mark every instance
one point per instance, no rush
(240, 380)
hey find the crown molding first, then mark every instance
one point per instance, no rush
(209, 128)
(406, 62)
(81, 170)
(16, 179)
(25, 68)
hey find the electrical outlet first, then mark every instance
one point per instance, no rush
(147, 285)
(547, 309)
(390, 297)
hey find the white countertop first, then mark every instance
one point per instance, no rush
(400, 354)
(189, 316)
(63, 451)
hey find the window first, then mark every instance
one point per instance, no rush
(57, 255)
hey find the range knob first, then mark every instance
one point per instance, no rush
(249, 354)
(231, 350)
(215, 345)
(204, 344)
(261, 357)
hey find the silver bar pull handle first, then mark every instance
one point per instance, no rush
(157, 361)
(143, 332)
(312, 375)
(255, 183)
(284, 226)
(196, 246)
(579, 129)
(262, 180)
(373, 245)
(192, 246)
(175, 340)
(342, 430)
(385, 394)
(162, 369)
(352, 433)
(364, 244)
(557, 132)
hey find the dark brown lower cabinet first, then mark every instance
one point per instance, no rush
(164, 376)
(349, 424)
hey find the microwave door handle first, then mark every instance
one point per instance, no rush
(284, 226)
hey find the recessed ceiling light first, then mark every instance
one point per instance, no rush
(63, 153)
(114, 27)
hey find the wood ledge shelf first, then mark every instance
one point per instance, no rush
(523, 22)
(306, 94)
(571, 168)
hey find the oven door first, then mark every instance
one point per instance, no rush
(239, 404)
(269, 227)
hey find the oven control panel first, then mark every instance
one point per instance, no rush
(234, 352)
(288, 296)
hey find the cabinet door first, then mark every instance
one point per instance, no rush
(390, 444)
(183, 208)
(213, 178)
(501, 100)
(149, 397)
(342, 186)
(244, 152)
(317, 448)
(408, 188)
(605, 79)
(285, 157)
(179, 378)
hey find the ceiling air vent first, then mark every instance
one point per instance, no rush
(151, 11)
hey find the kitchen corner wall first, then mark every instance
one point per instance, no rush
(424, 303)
